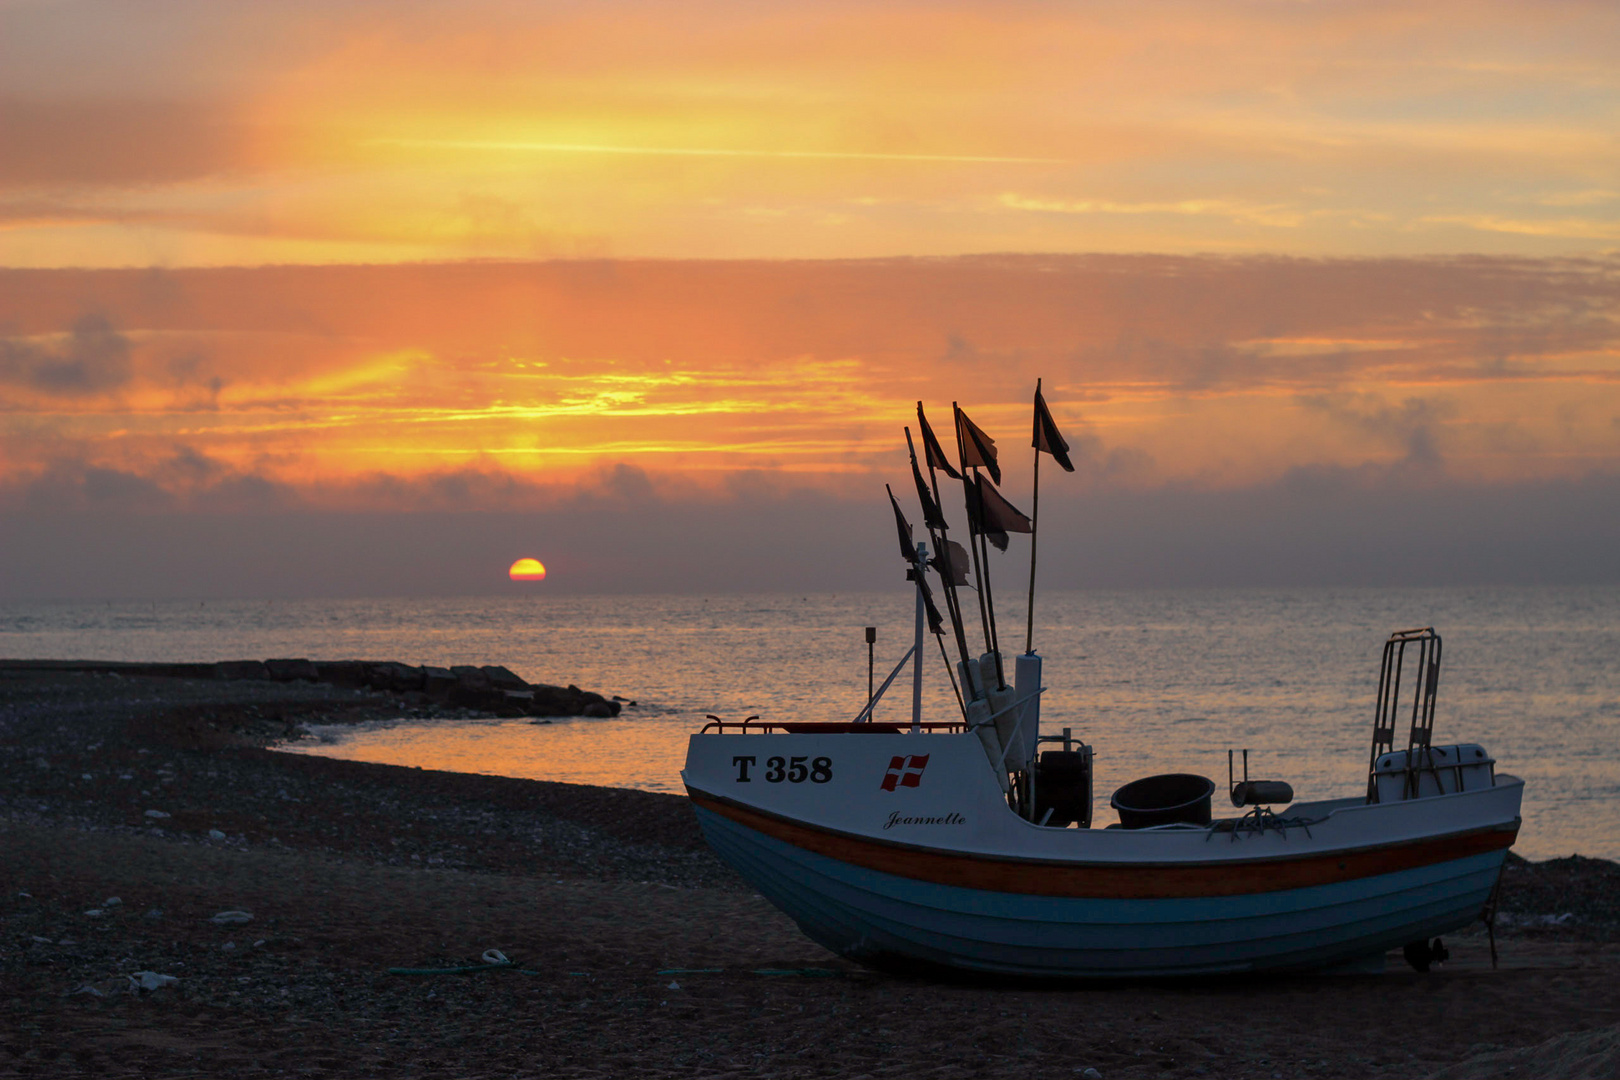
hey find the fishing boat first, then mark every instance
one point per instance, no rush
(967, 843)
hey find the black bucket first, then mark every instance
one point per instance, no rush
(1169, 799)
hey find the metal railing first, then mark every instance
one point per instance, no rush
(1426, 643)
(814, 727)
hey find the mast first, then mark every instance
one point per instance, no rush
(968, 495)
(917, 654)
(1034, 534)
(942, 550)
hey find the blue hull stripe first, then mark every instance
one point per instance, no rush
(870, 915)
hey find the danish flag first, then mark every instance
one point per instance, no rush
(905, 770)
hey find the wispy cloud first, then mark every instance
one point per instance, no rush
(1202, 372)
(694, 151)
(630, 129)
(1577, 228)
(1277, 215)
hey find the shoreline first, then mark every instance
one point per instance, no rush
(350, 868)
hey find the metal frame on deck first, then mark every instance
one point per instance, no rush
(1428, 647)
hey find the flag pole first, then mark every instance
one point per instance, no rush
(989, 601)
(1034, 534)
(947, 580)
(942, 551)
(953, 599)
(973, 532)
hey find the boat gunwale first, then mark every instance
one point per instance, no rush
(1144, 879)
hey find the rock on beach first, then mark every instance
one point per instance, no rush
(491, 688)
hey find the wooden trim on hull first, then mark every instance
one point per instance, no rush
(1114, 881)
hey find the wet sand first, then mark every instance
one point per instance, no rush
(640, 953)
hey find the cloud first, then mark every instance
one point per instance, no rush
(114, 142)
(1331, 528)
(181, 481)
(491, 386)
(93, 359)
(1413, 424)
(1275, 215)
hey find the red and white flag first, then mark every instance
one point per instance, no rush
(905, 770)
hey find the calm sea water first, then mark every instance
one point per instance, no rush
(1157, 681)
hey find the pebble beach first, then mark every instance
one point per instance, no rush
(180, 899)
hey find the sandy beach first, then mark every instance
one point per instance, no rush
(635, 950)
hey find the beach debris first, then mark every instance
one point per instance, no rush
(673, 985)
(492, 960)
(85, 989)
(231, 918)
(215, 834)
(291, 670)
(1089, 1074)
(229, 946)
(1507, 919)
(153, 913)
(156, 815)
(95, 913)
(25, 896)
(111, 901)
(150, 980)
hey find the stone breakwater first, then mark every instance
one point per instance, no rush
(490, 688)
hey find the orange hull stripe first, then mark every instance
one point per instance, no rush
(1114, 881)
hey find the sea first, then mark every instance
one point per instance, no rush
(1156, 681)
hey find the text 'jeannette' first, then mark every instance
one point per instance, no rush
(898, 818)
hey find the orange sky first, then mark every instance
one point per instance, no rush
(484, 256)
(187, 132)
(347, 382)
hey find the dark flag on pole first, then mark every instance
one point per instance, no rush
(908, 550)
(934, 453)
(1047, 437)
(977, 447)
(994, 516)
(933, 517)
(952, 563)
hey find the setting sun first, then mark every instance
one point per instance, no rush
(527, 570)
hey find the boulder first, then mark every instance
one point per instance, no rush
(289, 670)
(346, 673)
(469, 677)
(512, 703)
(437, 682)
(502, 679)
(472, 697)
(570, 701)
(241, 669)
(182, 671)
(394, 677)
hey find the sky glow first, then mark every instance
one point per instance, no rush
(490, 257)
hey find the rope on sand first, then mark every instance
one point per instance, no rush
(493, 960)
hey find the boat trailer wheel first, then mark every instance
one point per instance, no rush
(1420, 954)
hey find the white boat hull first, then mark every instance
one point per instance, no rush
(941, 873)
